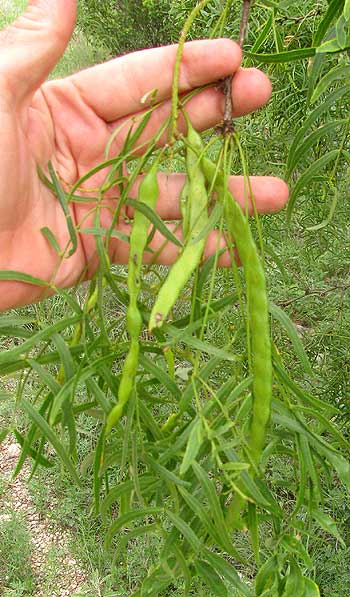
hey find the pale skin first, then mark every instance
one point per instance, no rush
(70, 121)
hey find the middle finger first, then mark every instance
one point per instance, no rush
(268, 193)
(251, 89)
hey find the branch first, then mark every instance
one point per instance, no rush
(313, 292)
(227, 84)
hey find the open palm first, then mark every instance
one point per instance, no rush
(70, 121)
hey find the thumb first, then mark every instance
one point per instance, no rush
(33, 44)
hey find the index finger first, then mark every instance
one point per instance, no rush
(115, 89)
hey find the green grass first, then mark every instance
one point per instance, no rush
(9, 10)
(16, 576)
(79, 54)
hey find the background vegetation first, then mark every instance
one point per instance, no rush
(308, 269)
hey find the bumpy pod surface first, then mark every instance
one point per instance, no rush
(194, 208)
(257, 306)
(148, 194)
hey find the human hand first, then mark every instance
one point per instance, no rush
(69, 122)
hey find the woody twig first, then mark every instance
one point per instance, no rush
(227, 84)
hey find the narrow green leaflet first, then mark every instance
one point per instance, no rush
(125, 519)
(346, 11)
(103, 232)
(280, 57)
(73, 198)
(273, 506)
(250, 487)
(137, 532)
(209, 490)
(160, 374)
(146, 481)
(147, 417)
(263, 35)
(165, 474)
(153, 217)
(307, 177)
(197, 344)
(277, 39)
(185, 530)
(44, 359)
(185, 568)
(199, 510)
(237, 467)
(295, 158)
(303, 479)
(254, 531)
(173, 549)
(16, 333)
(46, 334)
(61, 196)
(330, 214)
(295, 581)
(80, 377)
(204, 373)
(293, 424)
(118, 160)
(294, 546)
(211, 578)
(267, 576)
(302, 394)
(135, 134)
(99, 450)
(330, 47)
(27, 442)
(67, 361)
(213, 219)
(50, 237)
(13, 276)
(288, 325)
(14, 321)
(28, 450)
(215, 306)
(327, 523)
(331, 100)
(237, 391)
(340, 41)
(315, 71)
(335, 74)
(311, 589)
(341, 465)
(155, 584)
(227, 571)
(45, 377)
(327, 424)
(193, 445)
(99, 395)
(334, 9)
(51, 437)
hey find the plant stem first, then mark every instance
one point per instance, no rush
(244, 22)
(227, 85)
(175, 89)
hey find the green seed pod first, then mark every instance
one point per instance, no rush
(184, 209)
(258, 311)
(195, 217)
(133, 321)
(148, 194)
